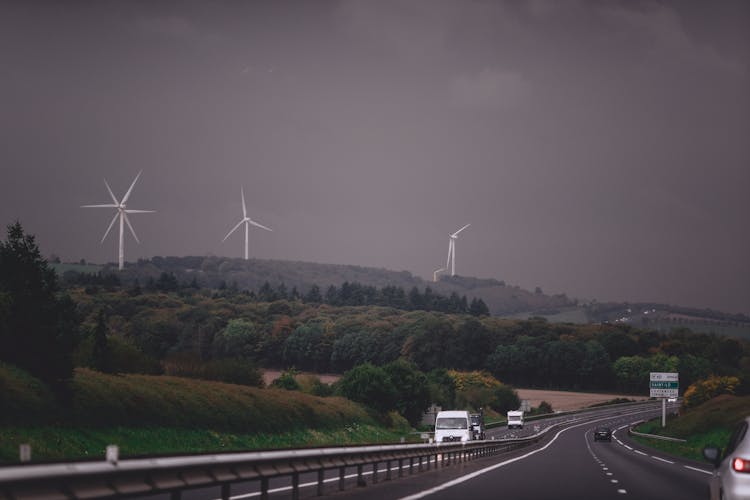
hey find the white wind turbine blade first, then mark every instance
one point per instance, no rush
(456, 233)
(127, 195)
(111, 194)
(233, 230)
(131, 228)
(244, 208)
(259, 225)
(450, 251)
(117, 214)
(140, 211)
(100, 206)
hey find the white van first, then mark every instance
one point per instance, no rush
(452, 426)
(515, 419)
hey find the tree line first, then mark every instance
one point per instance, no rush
(348, 294)
(48, 330)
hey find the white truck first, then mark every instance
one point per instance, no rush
(453, 426)
(515, 419)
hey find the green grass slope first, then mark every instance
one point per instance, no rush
(709, 424)
(147, 400)
(158, 414)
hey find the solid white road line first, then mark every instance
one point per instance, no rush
(641, 453)
(696, 469)
(662, 459)
(467, 477)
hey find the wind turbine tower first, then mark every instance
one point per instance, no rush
(122, 214)
(451, 263)
(247, 221)
(435, 274)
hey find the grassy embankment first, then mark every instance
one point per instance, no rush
(147, 415)
(709, 424)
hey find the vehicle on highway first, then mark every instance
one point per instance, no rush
(603, 434)
(453, 425)
(515, 419)
(477, 425)
(731, 477)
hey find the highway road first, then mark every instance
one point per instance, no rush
(567, 464)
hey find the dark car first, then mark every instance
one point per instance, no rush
(477, 425)
(602, 434)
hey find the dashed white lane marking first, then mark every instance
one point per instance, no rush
(474, 474)
(622, 492)
(609, 473)
(614, 481)
(696, 469)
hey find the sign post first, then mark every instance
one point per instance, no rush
(664, 385)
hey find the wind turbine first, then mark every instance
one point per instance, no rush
(436, 272)
(452, 250)
(122, 214)
(246, 221)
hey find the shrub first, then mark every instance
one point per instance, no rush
(310, 384)
(123, 357)
(287, 381)
(478, 389)
(230, 370)
(703, 390)
(370, 385)
(23, 398)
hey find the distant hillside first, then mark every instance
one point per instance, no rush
(214, 272)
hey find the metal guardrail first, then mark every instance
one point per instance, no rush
(117, 478)
(631, 432)
(100, 480)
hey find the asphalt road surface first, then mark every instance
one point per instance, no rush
(567, 464)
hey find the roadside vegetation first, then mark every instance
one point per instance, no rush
(94, 354)
(706, 424)
(147, 414)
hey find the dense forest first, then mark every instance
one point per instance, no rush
(99, 322)
(276, 327)
(215, 272)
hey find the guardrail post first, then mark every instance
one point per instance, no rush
(225, 491)
(320, 482)
(360, 478)
(411, 465)
(342, 473)
(295, 486)
(387, 470)
(375, 472)
(264, 488)
(400, 467)
(24, 452)
(420, 464)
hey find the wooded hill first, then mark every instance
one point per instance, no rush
(218, 272)
(224, 324)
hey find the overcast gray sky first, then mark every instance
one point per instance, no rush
(599, 149)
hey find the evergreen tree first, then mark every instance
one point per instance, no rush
(478, 308)
(313, 295)
(37, 326)
(332, 296)
(101, 353)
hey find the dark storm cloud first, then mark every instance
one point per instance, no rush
(598, 148)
